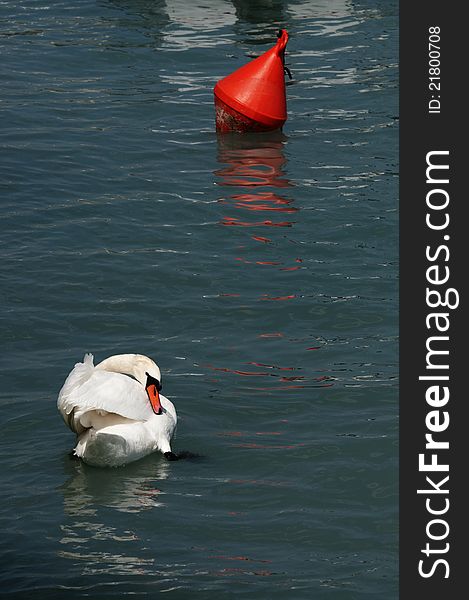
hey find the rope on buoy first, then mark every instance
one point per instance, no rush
(285, 69)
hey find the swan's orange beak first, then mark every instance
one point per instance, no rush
(154, 397)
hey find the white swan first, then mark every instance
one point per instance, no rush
(116, 410)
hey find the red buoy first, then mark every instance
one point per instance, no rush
(253, 97)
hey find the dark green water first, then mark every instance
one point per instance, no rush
(259, 272)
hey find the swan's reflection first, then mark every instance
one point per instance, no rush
(93, 542)
(129, 490)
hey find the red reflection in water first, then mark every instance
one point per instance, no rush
(254, 161)
(271, 263)
(267, 297)
(288, 382)
(263, 373)
(245, 373)
(272, 366)
(237, 223)
(286, 388)
(249, 373)
(261, 201)
(261, 239)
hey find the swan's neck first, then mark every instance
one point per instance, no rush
(123, 363)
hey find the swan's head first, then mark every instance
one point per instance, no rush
(153, 388)
(149, 375)
(143, 369)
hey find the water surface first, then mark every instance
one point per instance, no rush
(260, 272)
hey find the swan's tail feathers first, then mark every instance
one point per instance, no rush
(88, 359)
(77, 377)
(85, 368)
(79, 374)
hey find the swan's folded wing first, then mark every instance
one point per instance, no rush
(110, 392)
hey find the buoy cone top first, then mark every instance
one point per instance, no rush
(255, 91)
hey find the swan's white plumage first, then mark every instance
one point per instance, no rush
(110, 412)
